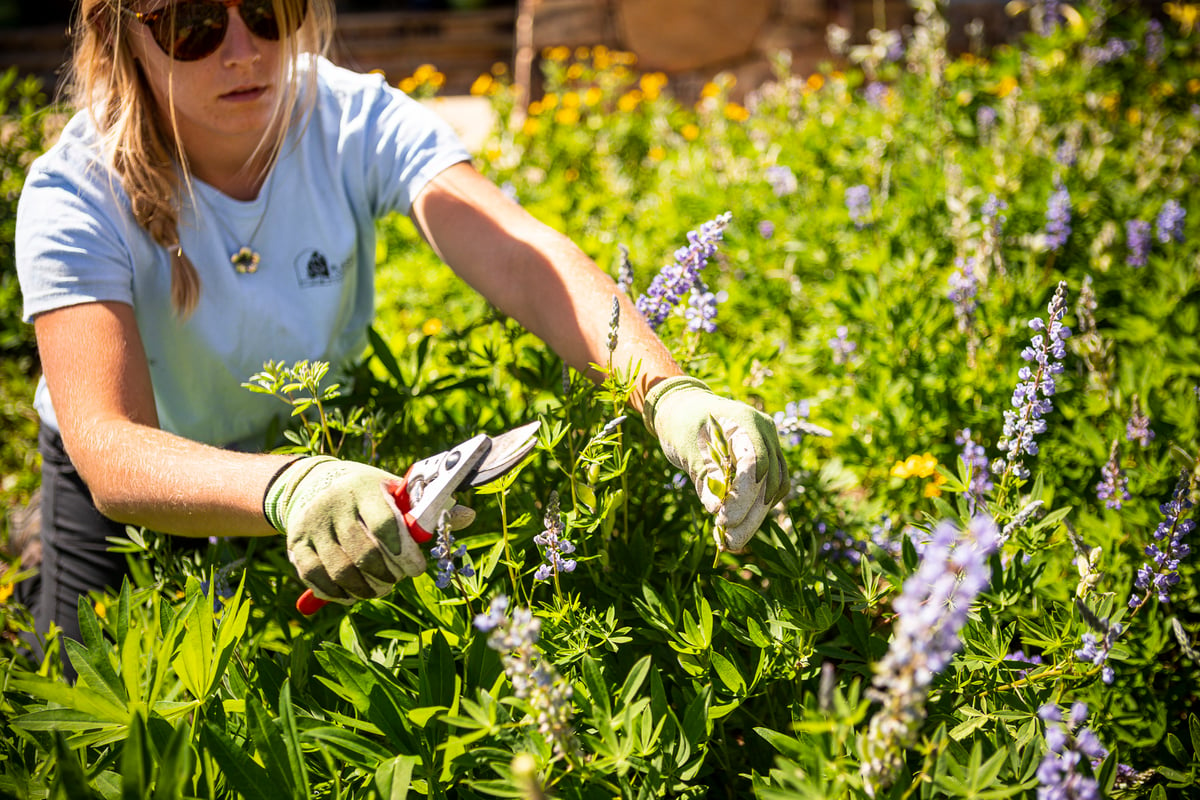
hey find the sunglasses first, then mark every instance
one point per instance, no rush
(194, 29)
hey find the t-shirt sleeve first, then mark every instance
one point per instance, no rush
(69, 249)
(407, 145)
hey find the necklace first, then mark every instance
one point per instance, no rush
(245, 259)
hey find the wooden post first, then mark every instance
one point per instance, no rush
(523, 58)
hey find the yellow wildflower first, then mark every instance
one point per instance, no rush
(691, 132)
(531, 126)
(570, 100)
(1005, 87)
(407, 85)
(582, 53)
(710, 90)
(736, 112)
(657, 153)
(482, 85)
(934, 487)
(592, 96)
(1193, 85)
(101, 609)
(560, 53)
(432, 326)
(815, 81)
(629, 101)
(571, 175)
(915, 466)
(1185, 14)
(550, 100)
(575, 72)
(600, 57)
(566, 116)
(6, 591)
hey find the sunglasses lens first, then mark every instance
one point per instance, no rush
(193, 30)
(190, 31)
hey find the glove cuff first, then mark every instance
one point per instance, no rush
(283, 486)
(661, 390)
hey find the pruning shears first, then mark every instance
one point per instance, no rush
(425, 492)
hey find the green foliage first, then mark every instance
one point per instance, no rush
(752, 674)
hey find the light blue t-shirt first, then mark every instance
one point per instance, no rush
(366, 151)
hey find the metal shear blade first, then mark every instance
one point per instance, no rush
(506, 452)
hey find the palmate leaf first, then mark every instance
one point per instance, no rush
(240, 770)
(94, 653)
(271, 748)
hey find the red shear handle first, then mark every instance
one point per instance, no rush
(309, 604)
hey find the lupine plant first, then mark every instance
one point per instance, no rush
(964, 288)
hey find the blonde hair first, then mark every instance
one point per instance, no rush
(142, 147)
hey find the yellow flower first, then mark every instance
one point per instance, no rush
(1134, 116)
(6, 591)
(535, 108)
(657, 153)
(592, 96)
(559, 53)
(652, 84)
(531, 126)
(600, 57)
(550, 100)
(915, 466)
(629, 101)
(582, 53)
(690, 132)
(1006, 86)
(964, 97)
(736, 112)
(424, 73)
(575, 72)
(566, 116)
(934, 487)
(1193, 85)
(432, 326)
(482, 85)
(570, 100)
(407, 85)
(815, 81)
(1185, 14)
(571, 175)
(710, 90)
(101, 609)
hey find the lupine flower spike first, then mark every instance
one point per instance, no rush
(1161, 572)
(930, 612)
(534, 681)
(1138, 427)
(1031, 399)
(445, 552)
(1113, 487)
(1067, 747)
(675, 280)
(553, 545)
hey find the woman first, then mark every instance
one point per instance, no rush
(211, 207)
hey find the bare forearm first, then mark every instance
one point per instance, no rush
(143, 476)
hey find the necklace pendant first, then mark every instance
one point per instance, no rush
(245, 261)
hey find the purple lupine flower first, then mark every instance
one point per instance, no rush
(676, 279)
(875, 93)
(553, 545)
(1112, 50)
(1058, 217)
(445, 552)
(974, 456)
(1169, 225)
(624, 272)
(1161, 572)
(1096, 650)
(985, 119)
(1113, 487)
(842, 346)
(533, 680)
(1154, 43)
(992, 213)
(701, 312)
(964, 286)
(1019, 656)
(1066, 154)
(1050, 17)
(782, 180)
(1067, 745)
(614, 324)
(1137, 239)
(930, 611)
(858, 203)
(1027, 418)
(1138, 427)
(792, 423)
(766, 228)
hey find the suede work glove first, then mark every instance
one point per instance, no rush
(730, 451)
(345, 535)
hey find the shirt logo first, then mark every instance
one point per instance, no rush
(313, 268)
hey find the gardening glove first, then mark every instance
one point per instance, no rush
(345, 535)
(730, 451)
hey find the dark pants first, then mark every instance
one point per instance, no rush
(75, 555)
